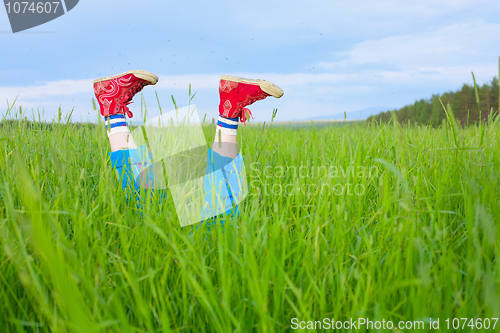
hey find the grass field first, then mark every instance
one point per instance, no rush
(358, 221)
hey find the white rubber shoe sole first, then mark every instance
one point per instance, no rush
(145, 75)
(266, 86)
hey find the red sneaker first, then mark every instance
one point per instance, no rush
(115, 93)
(236, 93)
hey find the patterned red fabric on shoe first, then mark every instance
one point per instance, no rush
(234, 96)
(114, 95)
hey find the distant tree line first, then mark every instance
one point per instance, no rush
(463, 104)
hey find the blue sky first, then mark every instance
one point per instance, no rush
(329, 57)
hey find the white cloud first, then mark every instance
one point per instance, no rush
(445, 54)
(54, 88)
(200, 81)
(446, 45)
(78, 93)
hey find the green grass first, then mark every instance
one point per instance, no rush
(419, 242)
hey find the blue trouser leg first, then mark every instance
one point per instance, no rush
(134, 168)
(130, 164)
(222, 187)
(232, 173)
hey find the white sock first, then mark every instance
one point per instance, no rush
(228, 126)
(116, 124)
(119, 133)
